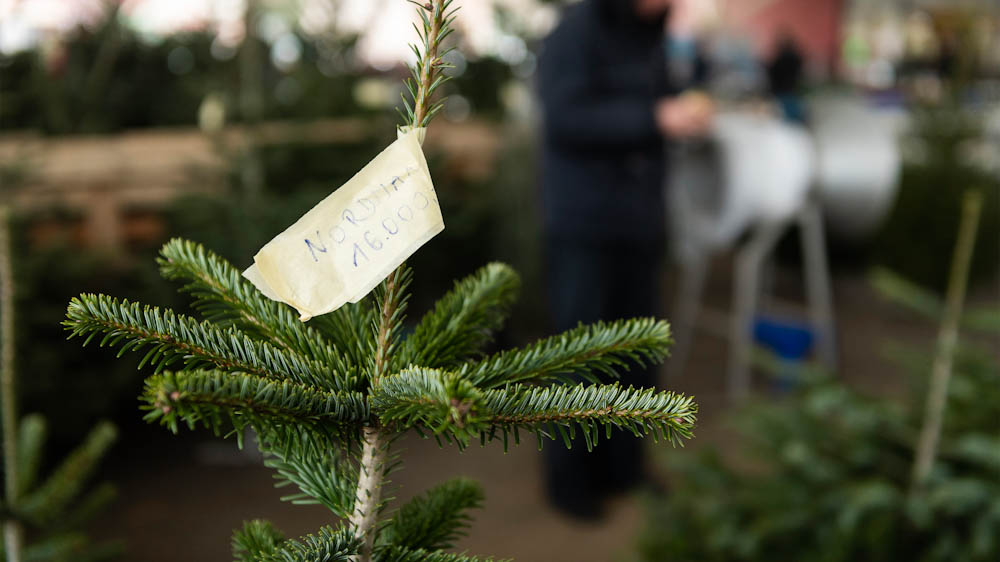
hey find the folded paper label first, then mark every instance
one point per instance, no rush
(355, 237)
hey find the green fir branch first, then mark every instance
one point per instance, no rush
(327, 545)
(61, 547)
(224, 401)
(450, 406)
(89, 506)
(349, 327)
(304, 460)
(224, 297)
(100, 552)
(583, 352)
(920, 300)
(256, 540)
(437, 400)
(47, 502)
(436, 20)
(172, 338)
(402, 554)
(564, 408)
(71, 546)
(464, 320)
(435, 519)
(32, 435)
(895, 288)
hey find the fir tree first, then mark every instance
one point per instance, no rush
(328, 398)
(43, 518)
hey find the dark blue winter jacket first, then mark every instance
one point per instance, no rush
(600, 74)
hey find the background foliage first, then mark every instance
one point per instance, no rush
(827, 473)
(917, 239)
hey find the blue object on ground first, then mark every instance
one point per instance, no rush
(791, 342)
(788, 340)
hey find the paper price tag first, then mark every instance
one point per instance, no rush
(355, 237)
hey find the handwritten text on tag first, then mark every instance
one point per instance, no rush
(348, 243)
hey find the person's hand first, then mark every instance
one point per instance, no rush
(688, 115)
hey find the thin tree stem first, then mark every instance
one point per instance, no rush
(375, 441)
(375, 447)
(382, 342)
(251, 103)
(937, 394)
(368, 496)
(12, 531)
(429, 62)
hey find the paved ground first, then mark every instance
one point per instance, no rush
(177, 505)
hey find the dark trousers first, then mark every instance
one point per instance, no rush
(590, 282)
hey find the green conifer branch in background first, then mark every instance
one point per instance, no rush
(328, 399)
(31, 437)
(50, 514)
(51, 500)
(435, 519)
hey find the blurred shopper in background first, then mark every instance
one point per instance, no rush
(607, 108)
(784, 76)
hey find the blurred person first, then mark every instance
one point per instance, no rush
(607, 109)
(688, 62)
(784, 76)
(946, 64)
